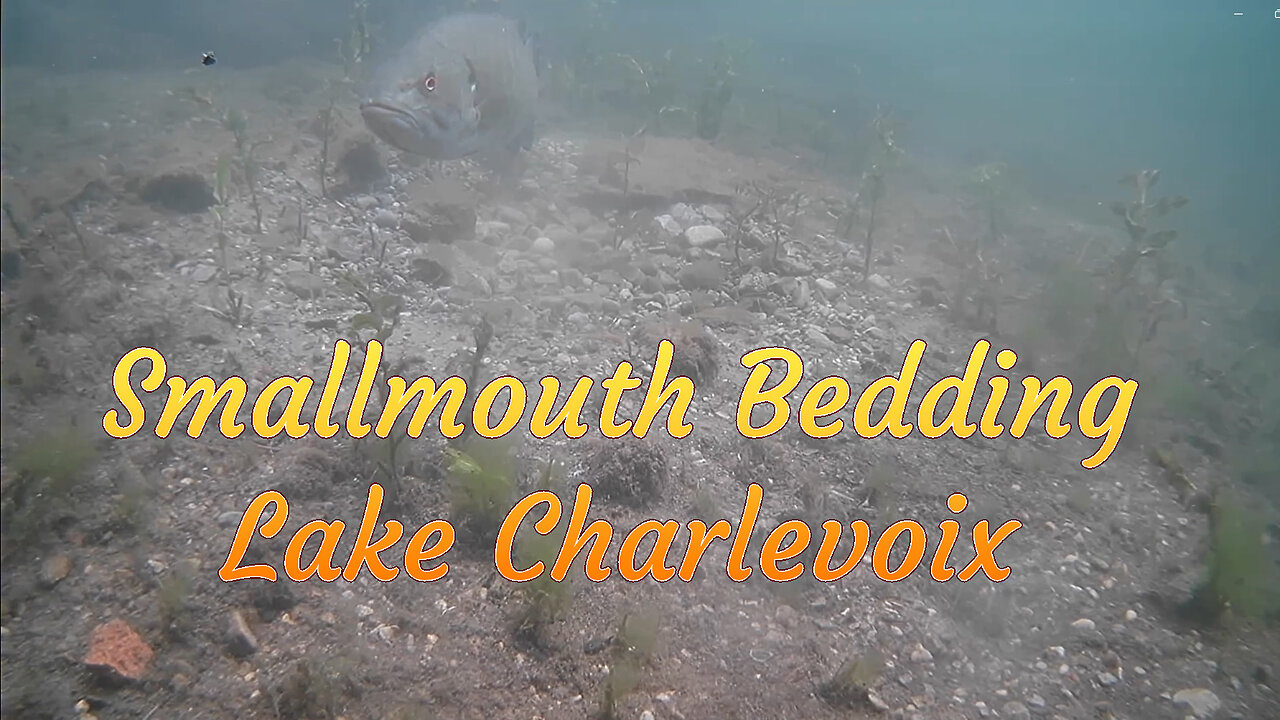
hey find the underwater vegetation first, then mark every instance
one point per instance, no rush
(42, 476)
(483, 475)
(1242, 577)
(270, 249)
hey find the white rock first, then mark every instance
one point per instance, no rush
(544, 245)
(685, 214)
(704, 235)
(877, 281)
(1083, 624)
(712, 214)
(1203, 702)
(825, 285)
(492, 228)
(921, 655)
(668, 224)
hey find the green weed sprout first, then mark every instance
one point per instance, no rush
(1241, 577)
(545, 599)
(633, 646)
(852, 685)
(46, 470)
(886, 155)
(483, 473)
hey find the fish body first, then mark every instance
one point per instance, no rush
(465, 84)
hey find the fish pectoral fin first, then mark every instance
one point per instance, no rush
(488, 109)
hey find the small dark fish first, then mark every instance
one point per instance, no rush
(207, 59)
(465, 85)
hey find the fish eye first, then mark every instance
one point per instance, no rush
(429, 83)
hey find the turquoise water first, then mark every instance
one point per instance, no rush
(1073, 94)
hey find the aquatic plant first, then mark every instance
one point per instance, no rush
(173, 594)
(237, 124)
(632, 148)
(885, 155)
(990, 183)
(312, 689)
(483, 334)
(633, 644)
(769, 222)
(133, 499)
(378, 321)
(976, 297)
(1102, 315)
(483, 476)
(1143, 242)
(43, 474)
(222, 178)
(1130, 305)
(851, 685)
(59, 455)
(551, 479)
(545, 599)
(1241, 577)
(326, 130)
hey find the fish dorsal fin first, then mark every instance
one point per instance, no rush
(533, 42)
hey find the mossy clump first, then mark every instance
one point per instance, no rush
(59, 455)
(633, 645)
(545, 599)
(631, 471)
(852, 685)
(41, 476)
(304, 694)
(1241, 577)
(173, 596)
(695, 353)
(483, 475)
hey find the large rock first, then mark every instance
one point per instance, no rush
(703, 235)
(1202, 702)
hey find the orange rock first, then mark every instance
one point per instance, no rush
(117, 646)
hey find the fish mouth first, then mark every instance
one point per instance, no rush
(379, 108)
(394, 125)
(424, 132)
